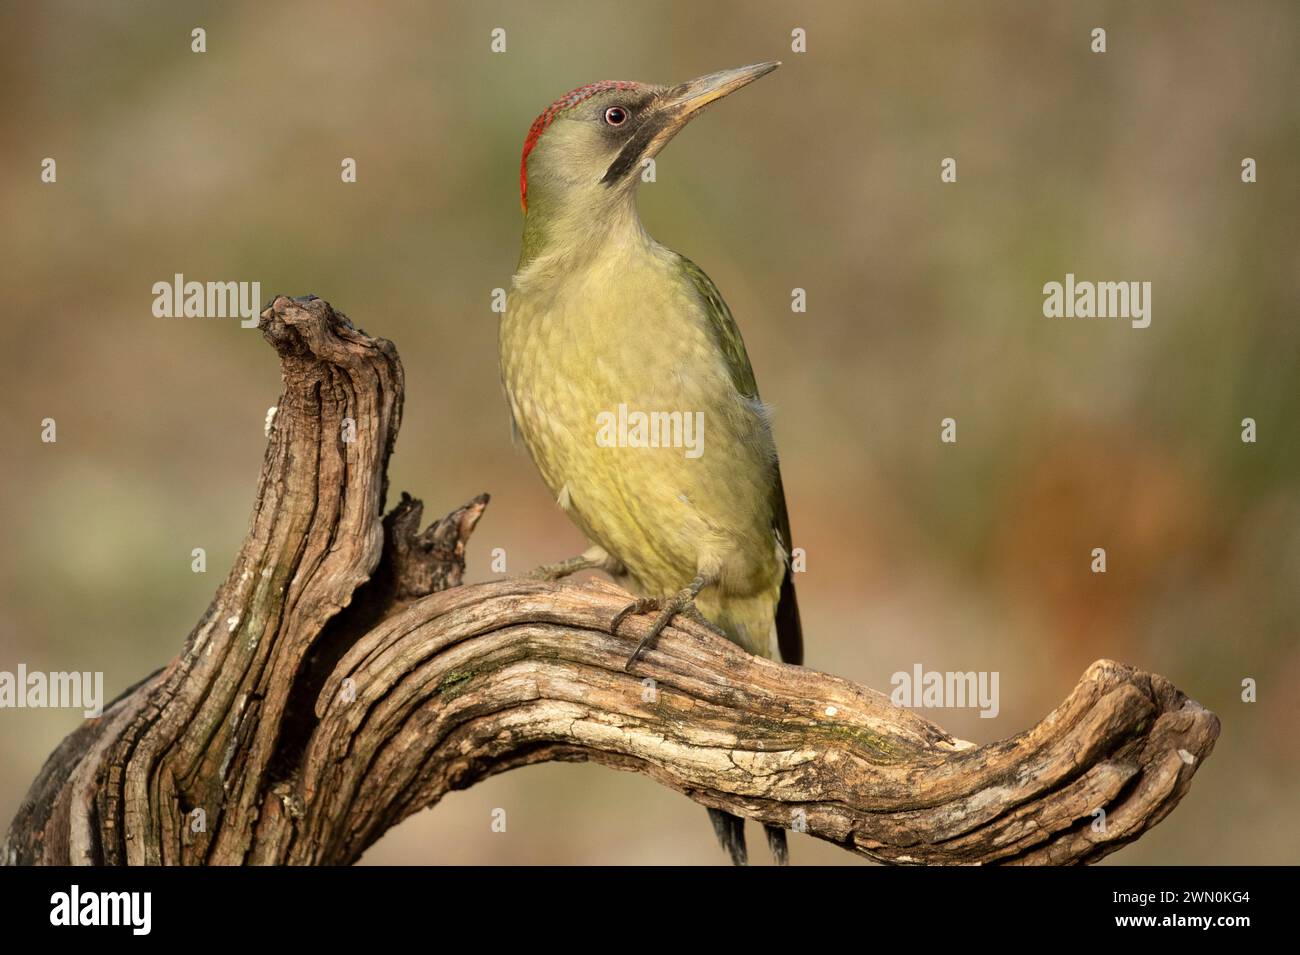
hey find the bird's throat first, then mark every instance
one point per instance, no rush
(564, 233)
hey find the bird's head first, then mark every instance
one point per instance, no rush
(588, 147)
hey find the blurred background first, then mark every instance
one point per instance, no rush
(924, 302)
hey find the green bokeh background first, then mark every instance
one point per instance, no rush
(924, 302)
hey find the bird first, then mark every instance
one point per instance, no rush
(628, 382)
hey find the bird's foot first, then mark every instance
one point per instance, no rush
(682, 602)
(593, 558)
(640, 605)
(563, 568)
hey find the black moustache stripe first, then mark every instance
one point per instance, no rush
(630, 155)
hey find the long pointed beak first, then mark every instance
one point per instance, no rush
(675, 107)
(692, 96)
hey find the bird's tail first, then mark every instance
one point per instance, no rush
(730, 831)
(748, 622)
(776, 842)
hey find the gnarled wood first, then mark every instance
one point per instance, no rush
(342, 679)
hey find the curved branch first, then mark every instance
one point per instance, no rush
(475, 681)
(342, 679)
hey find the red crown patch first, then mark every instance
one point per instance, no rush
(567, 101)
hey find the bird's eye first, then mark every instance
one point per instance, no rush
(616, 116)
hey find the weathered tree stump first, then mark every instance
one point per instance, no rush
(343, 679)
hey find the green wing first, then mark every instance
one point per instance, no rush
(724, 330)
(789, 631)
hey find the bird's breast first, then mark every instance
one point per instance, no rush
(625, 403)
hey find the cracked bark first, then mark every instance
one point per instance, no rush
(343, 678)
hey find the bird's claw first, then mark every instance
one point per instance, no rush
(546, 573)
(682, 602)
(640, 605)
(560, 569)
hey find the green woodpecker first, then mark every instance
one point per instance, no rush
(630, 386)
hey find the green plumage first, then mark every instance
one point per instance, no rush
(727, 334)
(636, 325)
(603, 323)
